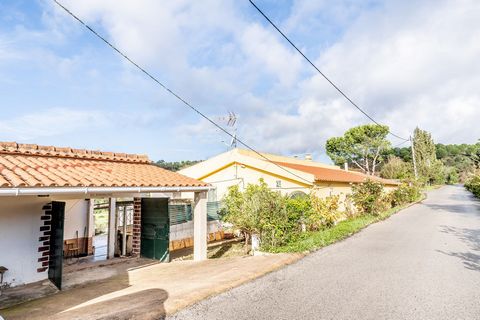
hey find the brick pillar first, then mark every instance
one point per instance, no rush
(44, 239)
(137, 223)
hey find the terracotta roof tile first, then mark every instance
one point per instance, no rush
(335, 175)
(29, 165)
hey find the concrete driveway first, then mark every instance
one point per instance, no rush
(423, 263)
(148, 291)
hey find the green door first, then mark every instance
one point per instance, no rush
(154, 241)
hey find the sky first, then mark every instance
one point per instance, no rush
(407, 63)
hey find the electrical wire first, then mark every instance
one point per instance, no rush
(401, 143)
(321, 73)
(200, 113)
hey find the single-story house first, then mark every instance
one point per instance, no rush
(48, 196)
(290, 176)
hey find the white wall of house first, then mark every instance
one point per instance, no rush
(19, 232)
(76, 218)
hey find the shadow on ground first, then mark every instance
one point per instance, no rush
(105, 299)
(470, 237)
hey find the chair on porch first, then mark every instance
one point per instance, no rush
(72, 249)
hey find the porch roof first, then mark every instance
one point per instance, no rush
(34, 166)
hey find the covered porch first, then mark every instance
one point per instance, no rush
(47, 202)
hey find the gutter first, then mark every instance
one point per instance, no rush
(95, 190)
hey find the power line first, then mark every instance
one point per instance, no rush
(400, 144)
(200, 113)
(323, 75)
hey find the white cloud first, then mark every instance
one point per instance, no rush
(406, 63)
(52, 122)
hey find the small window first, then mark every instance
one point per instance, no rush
(279, 183)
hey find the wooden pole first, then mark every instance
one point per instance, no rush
(414, 160)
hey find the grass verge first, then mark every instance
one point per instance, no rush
(311, 241)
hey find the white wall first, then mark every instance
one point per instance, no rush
(76, 218)
(19, 232)
(185, 230)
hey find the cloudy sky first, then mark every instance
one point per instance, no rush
(407, 63)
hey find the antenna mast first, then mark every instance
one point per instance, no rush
(231, 121)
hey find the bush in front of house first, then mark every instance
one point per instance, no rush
(276, 219)
(261, 211)
(324, 214)
(282, 223)
(473, 185)
(369, 198)
(405, 193)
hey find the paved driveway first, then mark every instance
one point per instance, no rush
(423, 263)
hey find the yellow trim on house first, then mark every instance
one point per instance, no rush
(256, 169)
(216, 170)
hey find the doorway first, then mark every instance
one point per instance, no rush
(155, 229)
(100, 239)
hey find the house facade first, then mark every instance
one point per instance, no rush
(290, 176)
(48, 199)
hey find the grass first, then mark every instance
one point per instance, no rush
(311, 241)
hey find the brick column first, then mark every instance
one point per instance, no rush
(44, 239)
(137, 224)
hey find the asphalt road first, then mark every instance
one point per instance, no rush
(422, 263)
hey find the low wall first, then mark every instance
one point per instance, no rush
(181, 235)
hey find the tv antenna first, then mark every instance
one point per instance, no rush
(231, 120)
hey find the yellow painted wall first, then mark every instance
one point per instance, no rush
(242, 175)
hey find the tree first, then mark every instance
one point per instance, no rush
(177, 165)
(362, 147)
(396, 168)
(425, 156)
(261, 211)
(451, 175)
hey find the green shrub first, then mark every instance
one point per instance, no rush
(323, 213)
(452, 176)
(369, 197)
(473, 185)
(259, 210)
(407, 192)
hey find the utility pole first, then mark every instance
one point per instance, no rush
(414, 160)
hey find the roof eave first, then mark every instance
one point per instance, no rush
(39, 191)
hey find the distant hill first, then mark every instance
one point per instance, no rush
(176, 165)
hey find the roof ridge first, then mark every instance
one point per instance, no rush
(67, 152)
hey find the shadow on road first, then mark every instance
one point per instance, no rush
(473, 206)
(471, 237)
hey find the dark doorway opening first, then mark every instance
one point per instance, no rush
(55, 266)
(155, 229)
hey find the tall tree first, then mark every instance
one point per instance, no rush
(396, 168)
(362, 147)
(430, 170)
(425, 151)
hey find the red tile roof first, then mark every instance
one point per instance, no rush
(30, 165)
(335, 175)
